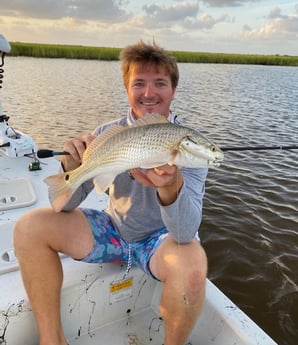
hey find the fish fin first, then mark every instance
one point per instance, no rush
(101, 139)
(103, 182)
(150, 119)
(59, 190)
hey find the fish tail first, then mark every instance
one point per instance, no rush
(60, 190)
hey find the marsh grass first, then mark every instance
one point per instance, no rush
(63, 51)
(280, 60)
(105, 53)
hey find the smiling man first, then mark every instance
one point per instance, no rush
(150, 91)
(156, 230)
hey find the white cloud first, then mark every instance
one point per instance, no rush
(279, 26)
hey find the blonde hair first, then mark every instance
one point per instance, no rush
(142, 56)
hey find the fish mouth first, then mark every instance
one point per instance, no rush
(215, 162)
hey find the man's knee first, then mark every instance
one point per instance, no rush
(25, 228)
(192, 258)
(181, 261)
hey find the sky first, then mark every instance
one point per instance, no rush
(223, 26)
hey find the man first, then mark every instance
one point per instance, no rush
(157, 227)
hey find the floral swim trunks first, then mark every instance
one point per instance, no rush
(110, 247)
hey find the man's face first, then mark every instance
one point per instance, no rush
(150, 91)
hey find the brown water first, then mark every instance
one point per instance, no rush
(250, 224)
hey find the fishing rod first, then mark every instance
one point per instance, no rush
(258, 148)
(51, 153)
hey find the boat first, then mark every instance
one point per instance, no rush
(98, 306)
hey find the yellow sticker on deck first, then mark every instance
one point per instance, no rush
(123, 284)
(121, 290)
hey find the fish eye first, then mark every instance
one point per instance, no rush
(213, 149)
(66, 177)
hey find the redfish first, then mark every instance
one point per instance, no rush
(150, 142)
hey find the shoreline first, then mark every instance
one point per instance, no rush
(111, 54)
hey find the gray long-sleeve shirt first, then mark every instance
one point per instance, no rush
(136, 211)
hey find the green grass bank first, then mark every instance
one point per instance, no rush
(109, 54)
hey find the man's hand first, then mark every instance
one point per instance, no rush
(167, 179)
(76, 148)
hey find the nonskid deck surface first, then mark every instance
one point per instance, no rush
(142, 328)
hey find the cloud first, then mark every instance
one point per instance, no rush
(204, 21)
(51, 9)
(99, 9)
(276, 13)
(177, 12)
(58, 9)
(246, 28)
(184, 15)
(279, 26)
(227, 3)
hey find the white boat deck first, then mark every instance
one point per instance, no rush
(93, 311)
(93, 315)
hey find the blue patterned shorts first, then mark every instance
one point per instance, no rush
(110, 247)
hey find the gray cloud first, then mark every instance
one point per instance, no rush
(246, 28)
(99, 9)
(57, 9)
(205, 21)
(52, 9)
(159, 14)
(276, 13)
(184, 14)
(227, 3)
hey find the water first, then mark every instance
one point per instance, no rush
(250, 223)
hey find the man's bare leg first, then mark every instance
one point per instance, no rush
(38, 237)
(182, 269)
